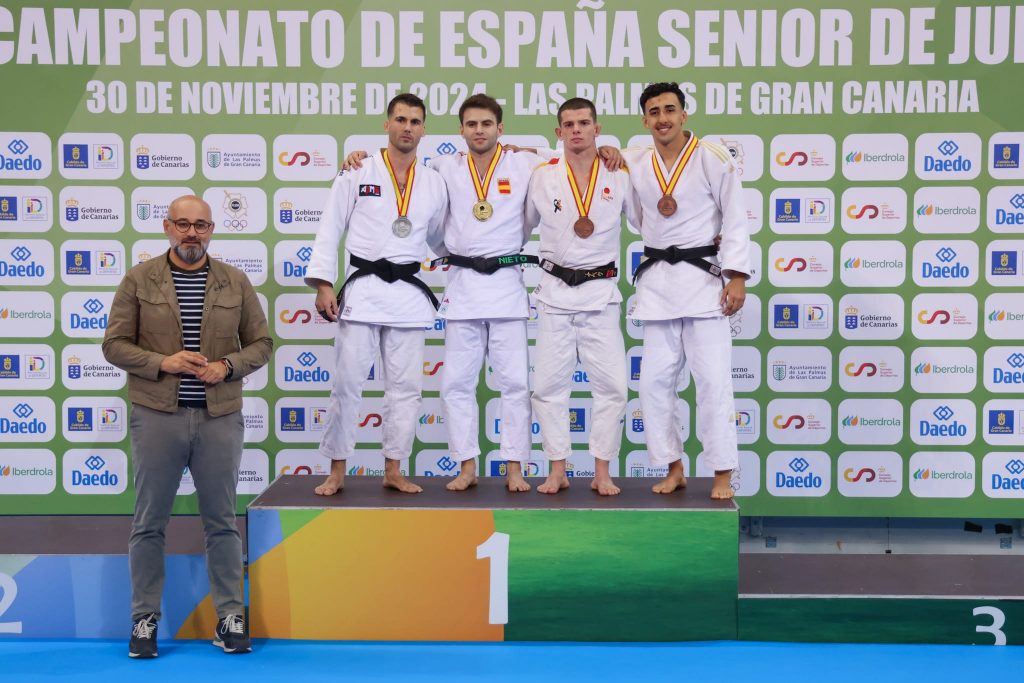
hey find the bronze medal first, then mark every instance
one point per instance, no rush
(667, 205)
(483, 210)
(584, 227)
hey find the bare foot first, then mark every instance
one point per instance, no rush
(675, 479)
(466, 478)
(515, 480)
(556, 480)
(334, 482)
(603, 483)
(722, 488)
(394, 479)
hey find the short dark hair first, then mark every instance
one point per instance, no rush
(481, 101)
(409, 100)
(575, 103)
(655, 89)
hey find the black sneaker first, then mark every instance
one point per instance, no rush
(231, 635)
(143, 642)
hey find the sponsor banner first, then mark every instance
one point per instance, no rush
(295, 317)
(745, 480)
(873, 210)
(753, 200)
(582, 464)
(496, 466)
(26, 263)
(798, 421)
(946, 263)
(944, 316)
(638, 464)
(492, 422)
(634, 328)
(25, 208)
(162, 156)
(433, 369)
(370, 463)
(873, 263)
(943, 370)
(869, 474)
(803, 157)
(947, 156)
(297, 210)
(940, 210)
(92, 262)
(238, 210)
(84, 314)
(27, 471)
(256, 415)
(801, 211)
(26, 367)
(150, 205)
(635, 421)
(943, 422)
(302, 420)
(431, 424)
(941, 474)
(1002, 422)
(634, 366)
(26, 314)
(1004, 209)
(804, 369)
(1004, 369)
(1004, 261)
(83, 368)
(430, 462)
(27, 419)
(1002, 475)
(875, 156)
(747, 153)
(800, 264)
(305, 157)
(301, 461)
(871, 316)
(234, 157)
(746, 368)
(1004, 316)
(91, 208)
(25, 155)
(746, 322)
(798, 473)
(756, 259)
(435, 276)
(1003, 151)
(800, 316)
(875, 421)
(95, 471)
(249, 256)
(875, 369)
(89, 419)
(253, 472)
(143, 250)
(90, 156)
(748, 420)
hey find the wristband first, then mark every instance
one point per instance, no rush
(229, 366)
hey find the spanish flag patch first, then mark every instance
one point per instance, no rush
(504, 186)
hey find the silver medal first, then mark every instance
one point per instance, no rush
(402, 227)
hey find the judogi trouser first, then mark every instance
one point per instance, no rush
(597, 339)
(706, 343)
(356, 347)
(504, 342)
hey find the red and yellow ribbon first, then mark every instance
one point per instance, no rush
(402, 199)
(583, 203)
(482, 187)
(684, 158)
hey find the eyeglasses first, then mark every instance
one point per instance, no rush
(201, 227)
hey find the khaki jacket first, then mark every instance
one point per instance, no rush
(144, 326)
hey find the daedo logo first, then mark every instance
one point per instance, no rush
(26, 262)
(1003, 475)
(85, 313)
(948, 156)
(1006, 209)
(24, 155)
(1004, 369)
(301, 367)
(939, 264)
(942, 422)
(291, 260)
(21, 423)
(95, 471)
(798, 473)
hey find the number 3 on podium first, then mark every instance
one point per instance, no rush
(495, 548)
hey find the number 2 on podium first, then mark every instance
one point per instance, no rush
(10, 591)
(495, 548)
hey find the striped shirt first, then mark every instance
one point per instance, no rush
(190, 287)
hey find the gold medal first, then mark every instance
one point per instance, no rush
(483, 210)
(667, 205)
(402, 226)
(583, 227)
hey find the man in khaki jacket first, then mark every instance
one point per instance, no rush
(187, 328)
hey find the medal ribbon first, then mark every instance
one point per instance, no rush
(402, 199)
(482, 187)
(583, 205)
(684, 158)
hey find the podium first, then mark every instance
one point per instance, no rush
(487, 565)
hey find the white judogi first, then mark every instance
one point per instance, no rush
(690, 327)
(486, 314)
(583, 320)
(377, 317)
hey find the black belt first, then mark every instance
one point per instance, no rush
(674, 255)
(487, 265)
(577, 276)
(387, 271)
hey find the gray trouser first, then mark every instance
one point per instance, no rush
(163, 445)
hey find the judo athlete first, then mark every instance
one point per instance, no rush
(391, 208)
